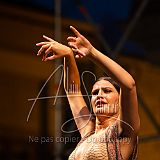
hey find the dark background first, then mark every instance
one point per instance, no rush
(125, 30)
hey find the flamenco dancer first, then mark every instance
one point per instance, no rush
(111, 134)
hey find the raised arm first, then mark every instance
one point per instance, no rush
(129, 105)
(51, 50)
(78, 106)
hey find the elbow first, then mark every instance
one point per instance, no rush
(131, 85)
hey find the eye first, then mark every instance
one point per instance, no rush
(95, 92)
(107, 90)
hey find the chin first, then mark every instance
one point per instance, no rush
(102, 113)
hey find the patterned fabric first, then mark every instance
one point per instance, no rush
(103, 147)
(113, 146)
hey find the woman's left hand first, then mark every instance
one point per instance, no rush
(79, 44)
(51, 49)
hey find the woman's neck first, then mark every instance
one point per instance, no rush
(102, 124)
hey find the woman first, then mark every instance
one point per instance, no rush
(113, 133)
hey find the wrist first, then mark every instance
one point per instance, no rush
(92, 52)
(69, 53)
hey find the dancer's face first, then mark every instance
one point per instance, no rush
(105, 99)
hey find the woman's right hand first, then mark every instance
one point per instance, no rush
(51, 49)
(79, 44)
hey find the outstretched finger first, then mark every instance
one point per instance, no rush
(75, 31)
(71, 39)
(49, 50)
(74, 50)
(50, 58)
(72, 45)
(47, 38)
(80, 52)
(41, 43)
(44, 47)
(46, 54)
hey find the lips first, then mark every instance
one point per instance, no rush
(99, 103)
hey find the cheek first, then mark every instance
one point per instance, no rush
(114, 102)
(113, 98)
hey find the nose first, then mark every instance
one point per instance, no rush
(100, 93)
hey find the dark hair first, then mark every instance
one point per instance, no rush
(115, 84)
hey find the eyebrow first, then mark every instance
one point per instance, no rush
(101, 88)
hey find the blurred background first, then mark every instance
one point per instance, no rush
(126, 30)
